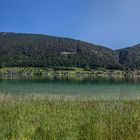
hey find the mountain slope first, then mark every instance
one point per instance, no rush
(130, 57)
(35, 50)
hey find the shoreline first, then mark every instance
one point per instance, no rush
(12, 72)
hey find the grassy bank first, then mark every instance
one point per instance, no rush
(46, 118)
(60, 72)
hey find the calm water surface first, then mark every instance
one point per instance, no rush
(86, 88)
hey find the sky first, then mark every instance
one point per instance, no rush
(111, 23)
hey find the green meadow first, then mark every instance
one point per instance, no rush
(48, 118)
(61, 72)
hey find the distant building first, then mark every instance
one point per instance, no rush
(68, 53)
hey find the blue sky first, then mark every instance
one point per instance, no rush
(112, 23)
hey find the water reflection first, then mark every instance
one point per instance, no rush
(105, 88)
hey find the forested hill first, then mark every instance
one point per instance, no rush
(35, 50)
(130, 57)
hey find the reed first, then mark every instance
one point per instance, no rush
(46, 118)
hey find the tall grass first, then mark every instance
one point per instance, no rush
(36, 118)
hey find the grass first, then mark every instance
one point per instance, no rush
(44, 118)
(64, 72)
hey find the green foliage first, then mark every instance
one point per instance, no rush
(31, 50)
(102, 69)
(130, 57)
(35, 50)
(63, 68)
(38, 118)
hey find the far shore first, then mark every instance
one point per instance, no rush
(12, 72)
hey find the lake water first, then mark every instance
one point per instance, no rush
(73, 88)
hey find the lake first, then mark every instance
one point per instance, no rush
(72, 88)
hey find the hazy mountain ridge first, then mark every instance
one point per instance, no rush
(36, 50)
